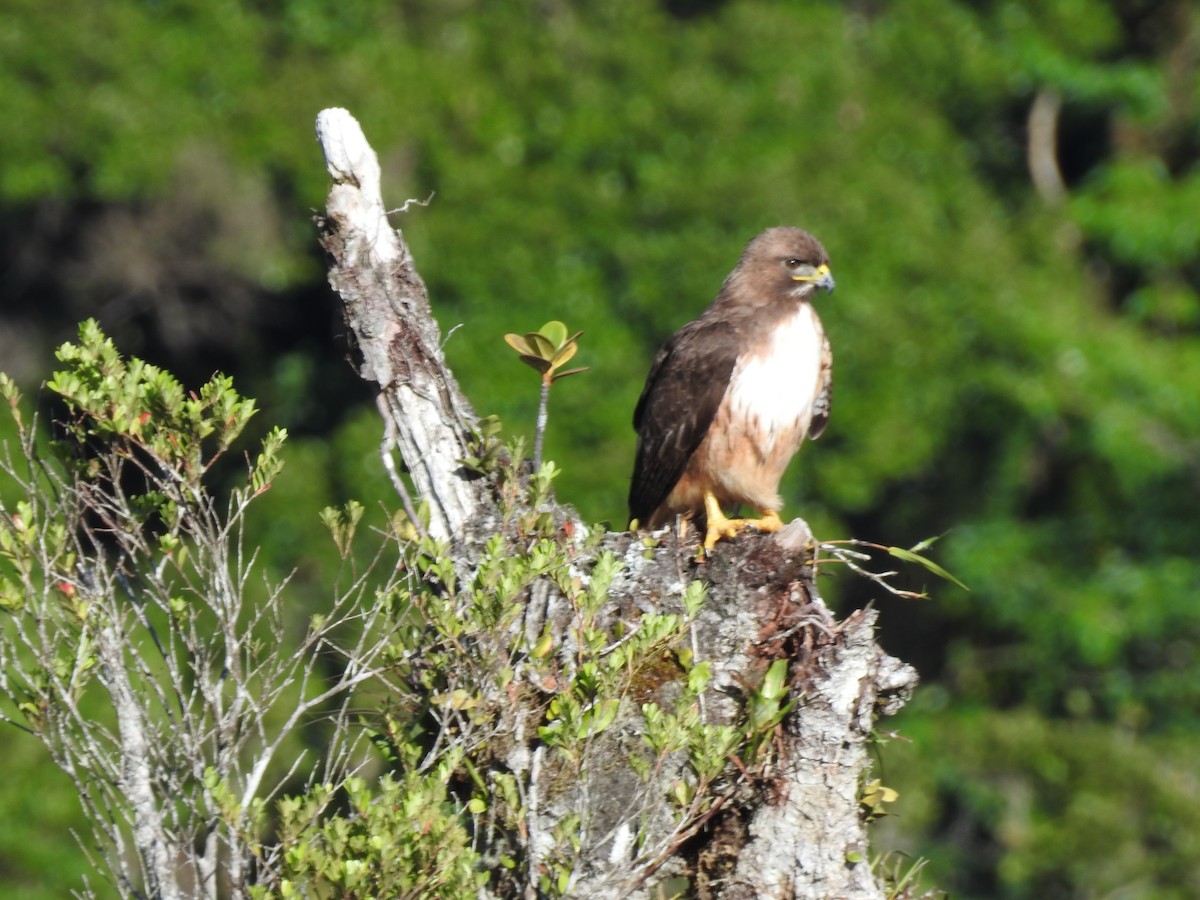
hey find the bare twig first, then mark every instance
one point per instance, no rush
(841, 552)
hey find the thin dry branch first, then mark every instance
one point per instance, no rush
(1042, 148)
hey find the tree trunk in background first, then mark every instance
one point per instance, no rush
(795, 827)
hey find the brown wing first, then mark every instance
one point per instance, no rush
(820, 416)
(683, 391)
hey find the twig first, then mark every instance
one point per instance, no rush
(847, 556)
(412, 202)
(542, 417)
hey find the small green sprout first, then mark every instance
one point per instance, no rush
(547, 350)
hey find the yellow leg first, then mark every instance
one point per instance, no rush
(718, 526)
(769, 523)
(721, 527)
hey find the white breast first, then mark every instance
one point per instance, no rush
(774, 389)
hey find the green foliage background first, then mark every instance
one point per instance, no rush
(1021, 374)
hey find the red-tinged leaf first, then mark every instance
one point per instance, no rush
(558, 375)
(518, 343)
(565, 354)
(542, 365)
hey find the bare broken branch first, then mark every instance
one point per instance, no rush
(387, 310)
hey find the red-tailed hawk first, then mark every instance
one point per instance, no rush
(731, 396)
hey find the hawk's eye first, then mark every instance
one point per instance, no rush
(792, 262)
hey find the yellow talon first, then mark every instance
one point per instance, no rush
(721, 527)
(718, 525)
(769, 523)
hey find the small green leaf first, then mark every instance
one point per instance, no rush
(459, 699)
(909, 556)
(925, 544)
(555, 332)
(875, 795)
(543, 647)
(682, 793)
(541, 345)
(490, 426)
(693, 597)
(773, 686)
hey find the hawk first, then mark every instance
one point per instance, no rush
(731, 396)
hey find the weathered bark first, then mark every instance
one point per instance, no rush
(387, 309)
(791, 829)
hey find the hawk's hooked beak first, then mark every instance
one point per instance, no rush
(821, 277)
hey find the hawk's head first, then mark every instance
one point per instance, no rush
(780, 264)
